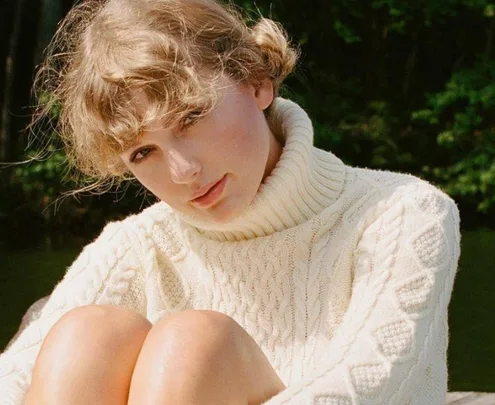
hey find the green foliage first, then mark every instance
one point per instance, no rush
(40, 179)
(407, 86)
(345, 32)
(462, 115)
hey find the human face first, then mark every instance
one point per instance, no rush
(232, 145)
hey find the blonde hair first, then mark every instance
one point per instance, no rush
(173, 50)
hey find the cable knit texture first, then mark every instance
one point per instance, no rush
(341, 275)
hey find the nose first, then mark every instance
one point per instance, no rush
(183, 169)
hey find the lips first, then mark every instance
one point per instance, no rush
(213, 195)
(204, 190)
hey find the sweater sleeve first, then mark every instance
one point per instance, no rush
(391, 344)
(103, 272)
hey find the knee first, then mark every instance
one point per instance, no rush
(206, 353)
(99, 330)
(108, 324)
(200, 337)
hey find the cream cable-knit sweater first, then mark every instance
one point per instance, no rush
(341, 275)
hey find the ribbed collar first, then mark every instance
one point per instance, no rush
(305, 181)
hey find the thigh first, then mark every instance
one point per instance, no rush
(202, 354)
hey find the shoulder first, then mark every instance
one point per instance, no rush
(124, 231)
(419, 199)
(385, 180)
(154, 215)
(394, 185)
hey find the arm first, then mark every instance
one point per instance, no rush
(404, 269)
(102, 273)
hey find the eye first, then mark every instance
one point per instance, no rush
(190, 119)
(140, 154)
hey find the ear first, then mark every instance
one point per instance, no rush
(264, 94)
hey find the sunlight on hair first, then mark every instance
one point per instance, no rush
(175, 51)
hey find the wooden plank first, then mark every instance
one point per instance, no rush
(470, 398)
(454, 396)
(483, 399)
(464, 398)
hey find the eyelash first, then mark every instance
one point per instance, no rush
(134, 155)
(193, 116)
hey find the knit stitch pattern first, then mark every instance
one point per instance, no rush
(341, 275)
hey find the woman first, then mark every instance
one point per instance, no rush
(269, 272)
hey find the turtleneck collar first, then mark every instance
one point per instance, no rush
(304, 182)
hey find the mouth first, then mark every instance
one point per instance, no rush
(204, 190)
(210, 193)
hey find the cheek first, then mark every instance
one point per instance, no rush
(153, 178)
(242, 141)
(222, 144)
(251, 145)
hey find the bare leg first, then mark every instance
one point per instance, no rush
(202, 358)
(88, 357)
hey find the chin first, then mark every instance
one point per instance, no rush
(228, 214)
(226, 217)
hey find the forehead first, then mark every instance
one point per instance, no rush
(171, 107)
(139, 101)
(153, 113)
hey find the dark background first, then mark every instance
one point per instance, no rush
(390, 84)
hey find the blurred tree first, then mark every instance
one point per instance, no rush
(11, 58)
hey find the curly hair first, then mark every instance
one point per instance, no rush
(175, 51)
